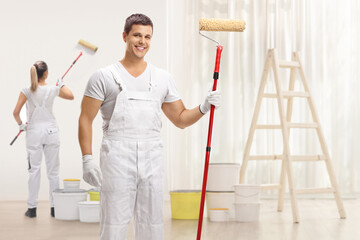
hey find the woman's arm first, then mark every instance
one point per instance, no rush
(66, 93)
(20, 103)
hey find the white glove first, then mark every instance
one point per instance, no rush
(60, 83)
(91, 172)
(212, 98)
(23, 127)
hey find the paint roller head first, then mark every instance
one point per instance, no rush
(88, 45)
(223, 25)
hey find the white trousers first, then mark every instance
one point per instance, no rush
(39, 141)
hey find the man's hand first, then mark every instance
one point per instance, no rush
(212, 98)
(91, 172)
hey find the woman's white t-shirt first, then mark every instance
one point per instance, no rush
(39, 96)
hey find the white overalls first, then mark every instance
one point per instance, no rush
(42, 136)
(132, 165)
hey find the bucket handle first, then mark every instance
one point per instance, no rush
(251, 195)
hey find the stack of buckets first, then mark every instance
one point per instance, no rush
(226, 199)
(220, 191)
(71, 203)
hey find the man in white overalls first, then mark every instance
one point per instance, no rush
(131, 94)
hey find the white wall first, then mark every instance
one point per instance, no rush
(49, 30)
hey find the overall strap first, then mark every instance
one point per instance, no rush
(31, 99)
(153, 77)
(116, 76)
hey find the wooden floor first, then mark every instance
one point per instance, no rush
(319, 221)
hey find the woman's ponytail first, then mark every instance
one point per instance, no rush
(37, 72)
(34, 79)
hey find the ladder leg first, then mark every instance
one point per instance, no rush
(324, 148)
(283, 187)
(288, 119)
(287, 160)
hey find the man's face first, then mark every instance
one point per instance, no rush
(138, 40)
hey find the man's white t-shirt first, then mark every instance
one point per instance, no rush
(102, 86)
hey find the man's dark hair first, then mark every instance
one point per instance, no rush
(137, 18)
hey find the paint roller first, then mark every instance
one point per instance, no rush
(86, 46)
(215, 25)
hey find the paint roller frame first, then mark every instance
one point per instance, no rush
(216, 25)
(87, 45)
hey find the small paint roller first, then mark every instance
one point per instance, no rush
(86, 46)
(215, 25)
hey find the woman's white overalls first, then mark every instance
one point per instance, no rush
(132, 165)
(42, 136)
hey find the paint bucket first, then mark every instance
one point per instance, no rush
(94, 194)
(185, 204)
(247, 212)
(66, 203)
(71, 184)
(223, 176)
(89, 211)
(219, 214)
(247, 193)
(221, 200)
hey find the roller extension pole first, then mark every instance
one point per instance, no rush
(71, 65)
(208, 146)
(15, 138)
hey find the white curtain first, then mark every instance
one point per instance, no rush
(324, 32)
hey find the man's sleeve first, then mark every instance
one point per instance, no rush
(95, 87)
(173, 94)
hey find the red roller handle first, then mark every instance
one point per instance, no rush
(16, 137)
(71, 65)
(208, 146)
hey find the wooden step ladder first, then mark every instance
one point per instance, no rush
(285, 125)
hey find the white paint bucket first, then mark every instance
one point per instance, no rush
(221, 200)
(66, 203)
(71, 184)
(219, 214)
(247, 193)
(223, 176)
(89, 211)
(247, 212)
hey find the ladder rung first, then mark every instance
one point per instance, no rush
(287, 94)
(288, 64)
(314, 190)
(270, 95)
(270, 186)
(268, 126)
(266, 157)
(308, 158)
(302, 125)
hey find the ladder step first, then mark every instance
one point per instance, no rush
(314, 190)
(288, 64)
(304, 158)
(268, 126)
(266, 157)
(294, 158)
(270, 186)
(287, 94)
(302, 125)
